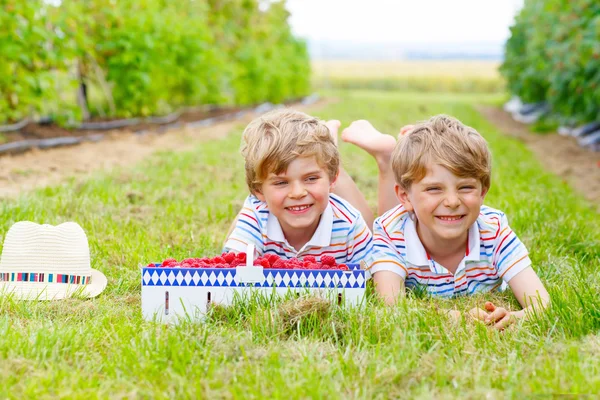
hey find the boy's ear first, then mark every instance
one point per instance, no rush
(334, 181)
(259, 195)
(402, 196)
(484, 191)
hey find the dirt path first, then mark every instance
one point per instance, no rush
(559, 154)
(40, 168)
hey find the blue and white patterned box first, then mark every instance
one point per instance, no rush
(169, 293)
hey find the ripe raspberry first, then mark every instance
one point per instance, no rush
(279, 264)
(343, 267)
(272, 258)
(310, 259)
(311, 265)
(188, 261)
(205, 260)
(328, 260)
(235, 263)
(241, 257)
(168, 261)
(151, 265)
(262, 262)
(218, 260)
(186, 265)
(229, 257)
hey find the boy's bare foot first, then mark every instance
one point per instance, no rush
(405, 129)
(334, 126)
(364, 135)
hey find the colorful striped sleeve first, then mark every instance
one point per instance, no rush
(360, 241)
(247, 229)
(385, 257)
(510, 255)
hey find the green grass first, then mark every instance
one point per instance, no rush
(180, 205)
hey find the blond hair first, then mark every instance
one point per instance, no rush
(271, 142)
(445, 141)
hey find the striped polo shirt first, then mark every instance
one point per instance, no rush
(342, 233)
(493, 256)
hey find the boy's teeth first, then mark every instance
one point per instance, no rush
(298, 208)
(450, 218)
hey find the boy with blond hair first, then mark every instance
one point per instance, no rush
(292, 164)
(441, 237)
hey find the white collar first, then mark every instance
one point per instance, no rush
(416, 254)
(321, 237)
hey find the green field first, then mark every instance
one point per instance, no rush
(179, 204)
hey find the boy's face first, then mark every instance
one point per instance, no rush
(298, 196)
(444, 204)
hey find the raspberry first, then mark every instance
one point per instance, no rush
(229, 257)
(262, 262)
(343, 267)
(279, 264)
(168, 261)
(310, 259)
(186, 265)
(188, 261)
(311, 265)
(328, 260)
(235, 263)
(241, 257)
(272, 258)
(219, 260)
(151, 265)
(205, 260)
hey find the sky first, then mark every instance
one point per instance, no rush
(403, 21)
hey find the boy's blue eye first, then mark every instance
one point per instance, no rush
(279, 183)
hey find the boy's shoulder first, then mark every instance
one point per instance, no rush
(490, 219)
(343, 210)
(392, 220)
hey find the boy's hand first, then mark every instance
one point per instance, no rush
(499, 317)
(478, 314)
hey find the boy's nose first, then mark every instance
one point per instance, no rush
(297, 191)
(452, 200)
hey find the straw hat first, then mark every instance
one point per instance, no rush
(45, 262)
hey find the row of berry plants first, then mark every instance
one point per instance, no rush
(553, 55)
(80, 59)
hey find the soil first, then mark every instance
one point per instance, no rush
(579, 167)
(20, 173)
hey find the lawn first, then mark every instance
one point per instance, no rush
(180, 204)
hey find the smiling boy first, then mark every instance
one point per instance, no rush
(292, 164)
(441, 237)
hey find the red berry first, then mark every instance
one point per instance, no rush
(272, 258)
(186, 265)
(310, 259)
(229, 257)
(343, 267)
(151, 265)
(328, 260)
(219, 260)
(235, 263)
(262, 262)
(241, 257)
(168, 261)
(312, 265)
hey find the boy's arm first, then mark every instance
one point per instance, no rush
(531, 294)
(514, 266)
(386, 266)
(389, 285)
